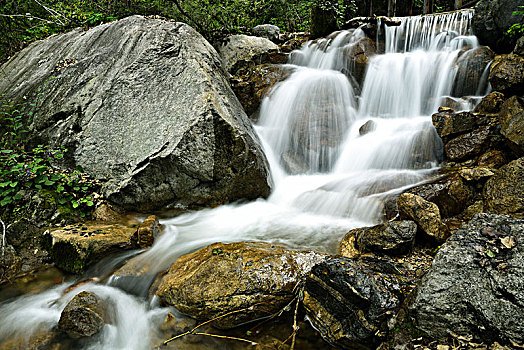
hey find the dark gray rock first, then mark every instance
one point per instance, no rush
(476, 283)
(268, 31)
(504, 192)
(492, 20)
(83, 316)
(367, 127)
(144, 106)
(350, 300)
(294, 163)
(391, 238)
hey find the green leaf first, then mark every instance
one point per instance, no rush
(75, 204)
(17, 196)
(13, 184)
(49, 183)
(490, 253)
(63, 200)
(89, 203)
(4, 184)
(6, 201)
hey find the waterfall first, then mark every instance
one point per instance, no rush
(339, 146)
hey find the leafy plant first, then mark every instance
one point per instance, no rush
(517, 29)
(26, 171)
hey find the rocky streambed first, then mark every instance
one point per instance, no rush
(443, 270)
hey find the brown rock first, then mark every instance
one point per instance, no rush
(74, 247)
(424, 213)
(391, 238)
(511, 119)
(224, 278)
(470, 66)
(358, 56)
(449, 123)
(38, 341)
(468, 145)
(504, 192)
(475, 174)
(256, 83)
(83, 316)
(492, 159)
(450, 194)
(491, 103)
(507, 74)
(146, 233)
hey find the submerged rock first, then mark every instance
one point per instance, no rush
(475, 284)
(249, 279)
(144, 106)
(392, 238)
(470, 68)
(83, 316)
(504, 192)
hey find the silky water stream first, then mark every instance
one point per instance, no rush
(337, 149)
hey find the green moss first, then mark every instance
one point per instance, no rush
(69, 257)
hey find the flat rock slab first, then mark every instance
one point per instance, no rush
(248, 279)
(74, 247)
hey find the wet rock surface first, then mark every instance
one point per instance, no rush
(491, 103)
(83, 316)
(504, 192)
(475, 284)
(426, 214)
(350, 300)
(468, 145)
(74, 247)
(450, 194)
(511, 119)
(153, 142)
(470, 68)
(447, 123)
(392, 238)
(256, 83)
(250, 279)
(507, 74)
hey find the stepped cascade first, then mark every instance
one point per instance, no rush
(338, 149)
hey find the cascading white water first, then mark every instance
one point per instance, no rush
(334, 155)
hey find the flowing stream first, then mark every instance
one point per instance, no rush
(338, 149)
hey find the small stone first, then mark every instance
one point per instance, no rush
(83, 316)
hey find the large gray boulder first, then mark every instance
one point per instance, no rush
(492, 20)
(475, 286)
(144, 106)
